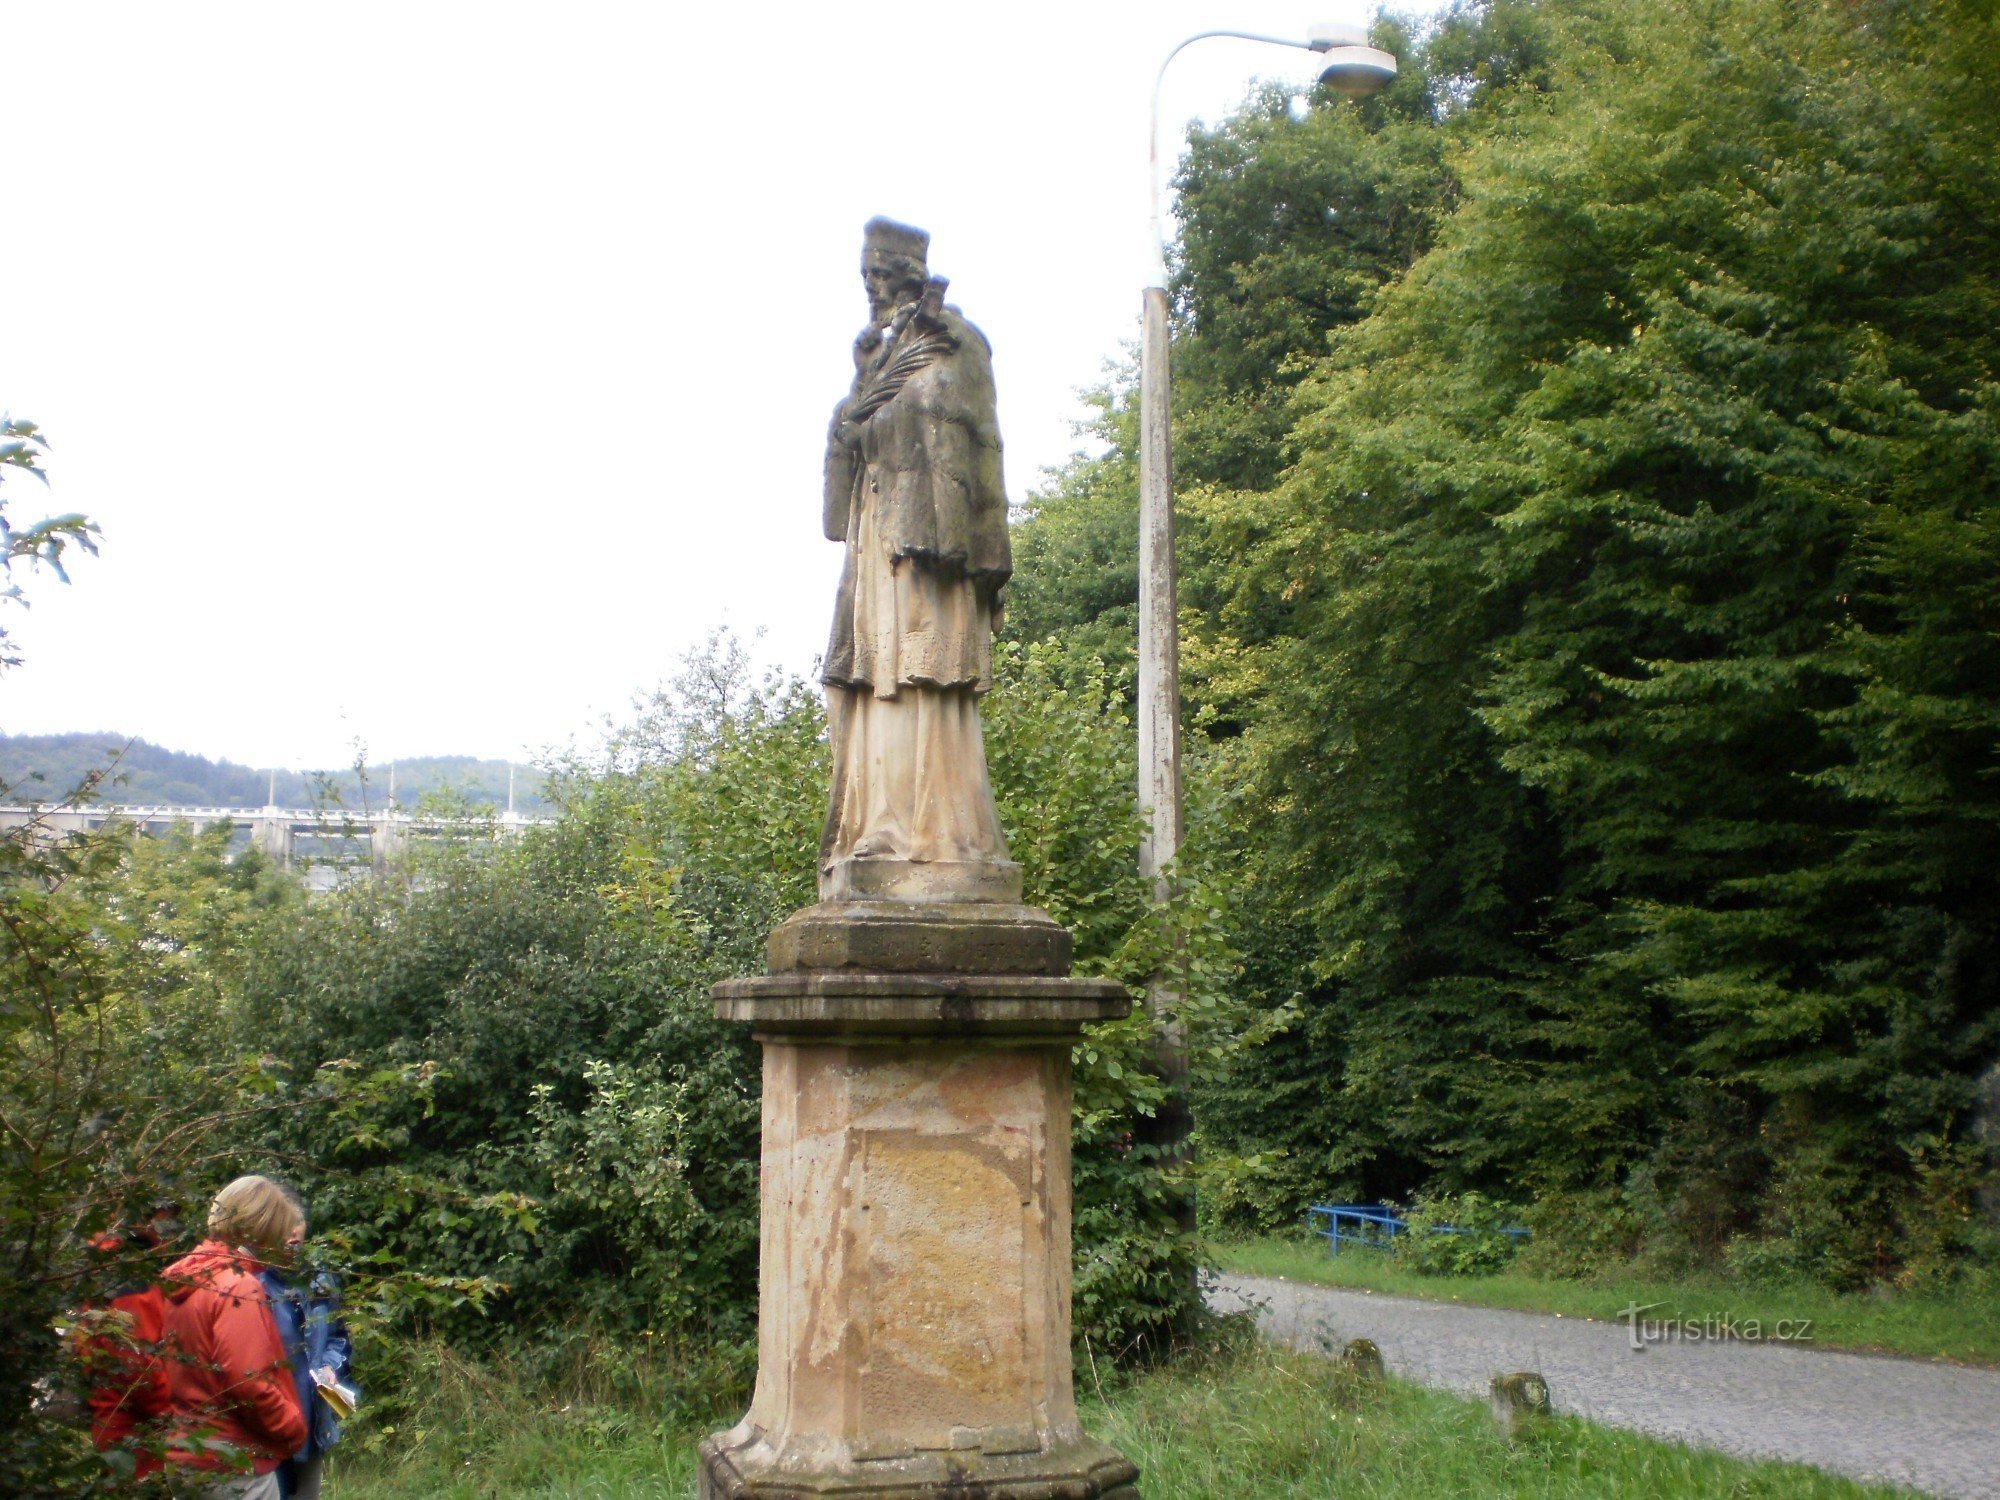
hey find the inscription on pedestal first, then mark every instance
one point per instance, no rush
(945, 1363)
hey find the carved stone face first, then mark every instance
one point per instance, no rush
(891, 281)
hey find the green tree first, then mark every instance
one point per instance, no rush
(1588, 542)
(1292, 225)
(1575, 638)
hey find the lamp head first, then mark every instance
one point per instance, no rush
(1348, 63)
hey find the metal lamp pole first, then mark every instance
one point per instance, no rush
(1350, 65)
(1356, 69)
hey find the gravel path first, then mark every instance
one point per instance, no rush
(1934, 1427)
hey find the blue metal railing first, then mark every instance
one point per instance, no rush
(1375, 1226)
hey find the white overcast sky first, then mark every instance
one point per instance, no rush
(439, 373)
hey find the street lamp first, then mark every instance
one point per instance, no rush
(1349, 64)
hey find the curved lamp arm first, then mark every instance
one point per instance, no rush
(1322, 38)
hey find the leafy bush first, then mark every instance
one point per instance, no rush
(1765, 1260)
(1579, 1235)
(1244, 1194)
(1459, 1234)
(1945, 1233)
(558, 988)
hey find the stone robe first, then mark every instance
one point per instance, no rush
(914, 490)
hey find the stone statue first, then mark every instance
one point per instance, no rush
(913, 1283)
(913, 488)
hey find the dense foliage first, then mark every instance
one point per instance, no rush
(496, 1075)
(595, 1126)
(1588, 474)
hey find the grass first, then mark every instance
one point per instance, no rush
(1281, 1426)
(607, 1423)
(1246, 1424)
(1961, 1323)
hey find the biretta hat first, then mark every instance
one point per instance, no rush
(886, 237)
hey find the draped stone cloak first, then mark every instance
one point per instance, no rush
(923, 498)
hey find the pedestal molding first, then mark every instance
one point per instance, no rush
(847, 1004)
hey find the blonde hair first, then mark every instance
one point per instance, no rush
(254, 1211)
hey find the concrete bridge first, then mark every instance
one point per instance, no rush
(276, 831)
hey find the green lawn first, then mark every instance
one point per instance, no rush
(1259, 1424)
(1962, 1324)
(1278, 1426)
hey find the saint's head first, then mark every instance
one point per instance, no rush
(893, 265)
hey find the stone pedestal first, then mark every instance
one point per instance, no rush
(914, 1294)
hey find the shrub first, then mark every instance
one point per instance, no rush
(1457, 1234)
(1579, 1235)
(1252, 1194)
(1944, 1230)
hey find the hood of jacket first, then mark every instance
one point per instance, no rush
(209, 1264)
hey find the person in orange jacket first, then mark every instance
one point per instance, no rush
(129, 1391)
(233, 1394)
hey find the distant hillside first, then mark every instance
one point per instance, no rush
(44, 767)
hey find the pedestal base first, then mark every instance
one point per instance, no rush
(740, 1465)
(913, 1332)
(919, 937)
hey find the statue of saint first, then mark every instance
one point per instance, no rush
(913, 488)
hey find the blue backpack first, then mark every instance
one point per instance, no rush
(314, 1337)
